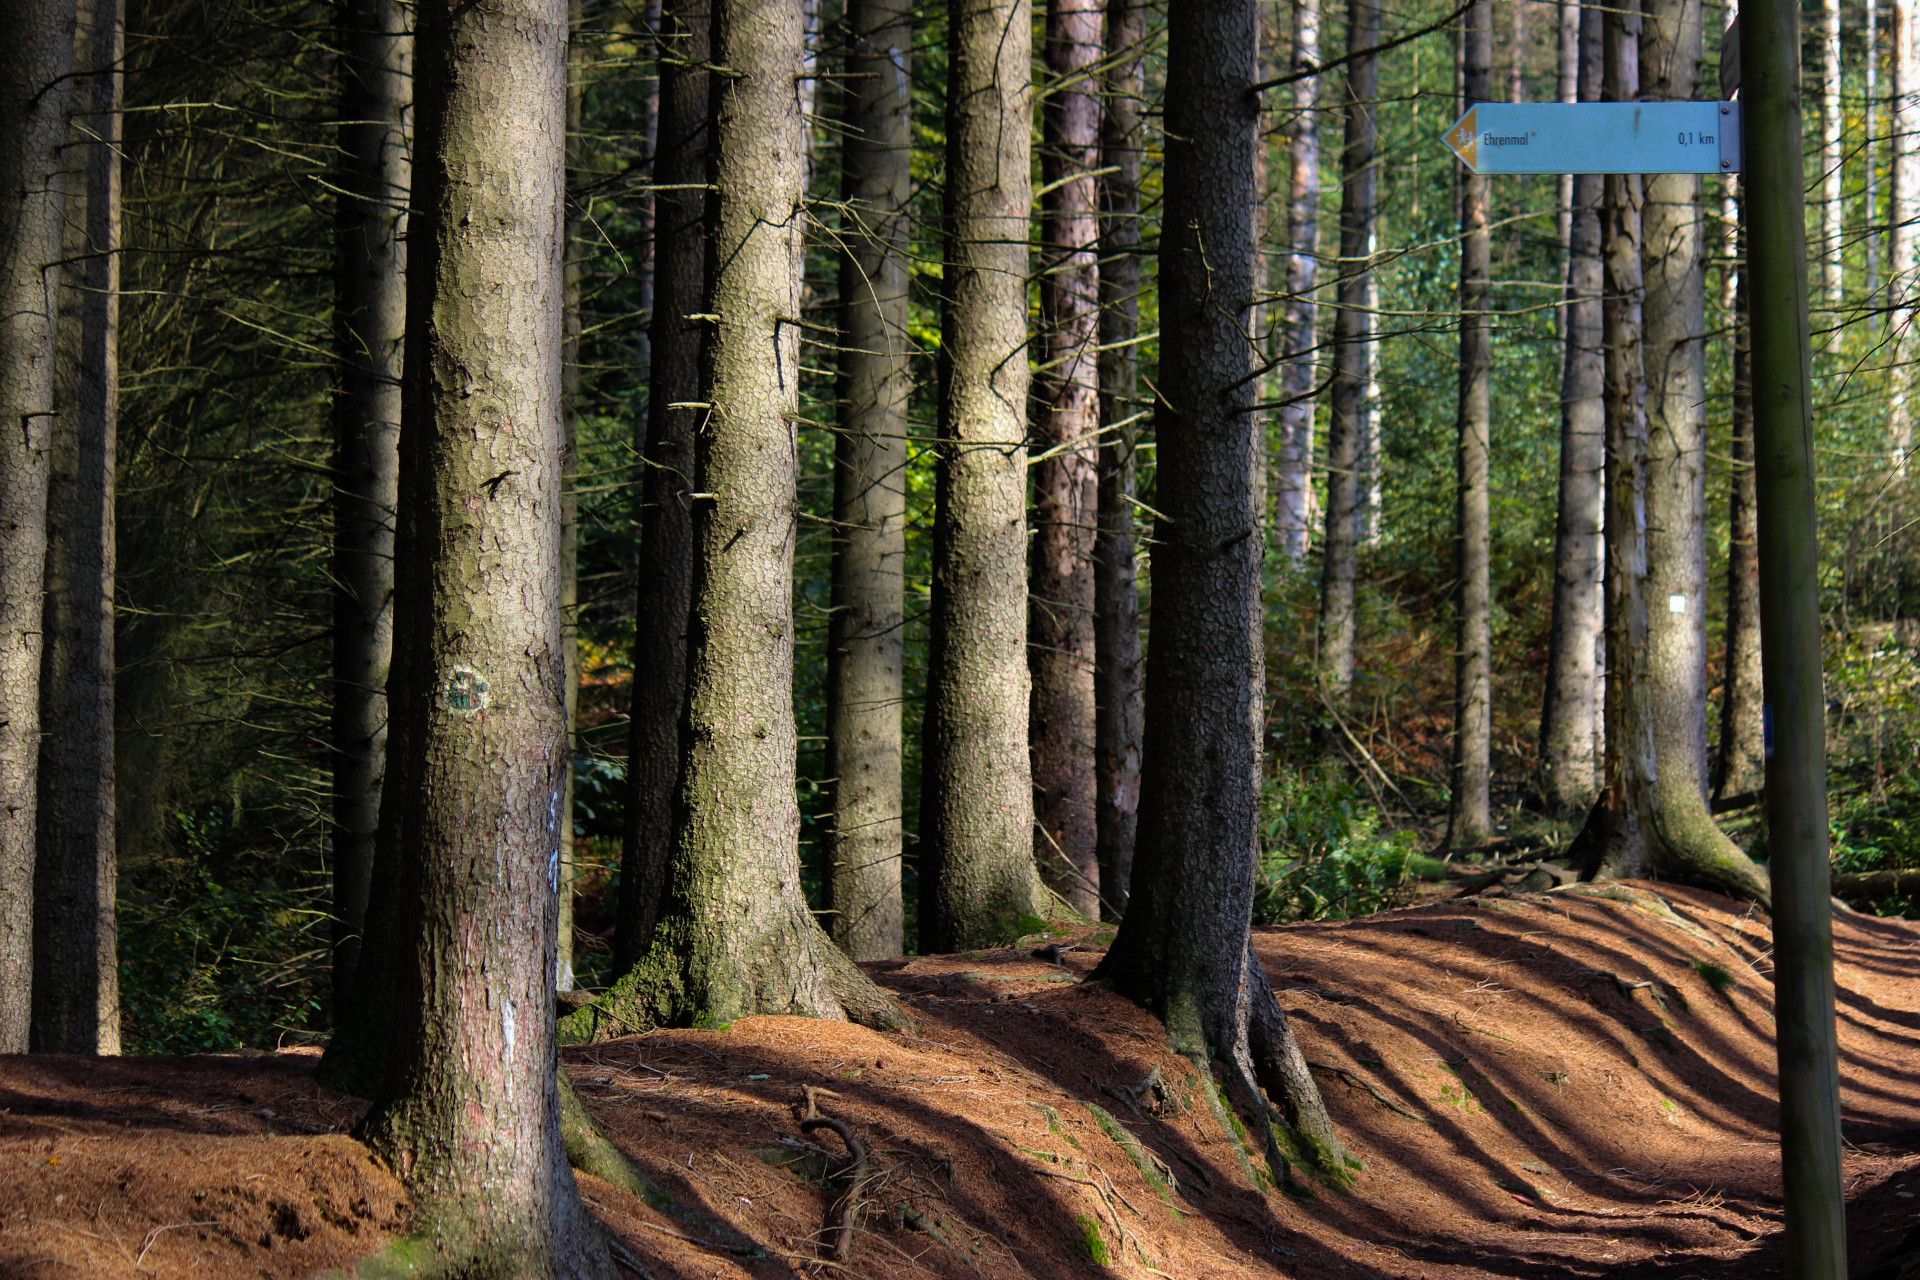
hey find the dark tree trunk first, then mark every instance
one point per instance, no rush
(1066, 486)
(470, 1112)
(1569, 766)
(665, 593)
(369, 318)
(1470, 821)
(1183, 949)
(864, 648)
(1352, 333)
(1293, 474)
(76, 979)
(978, 882)
(36, 54)
(1740, 767)
(1117, 673)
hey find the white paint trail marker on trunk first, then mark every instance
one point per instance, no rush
(1598, 137)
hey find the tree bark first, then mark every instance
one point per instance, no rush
(1568, 727)
(470, 1112)
(1470, 821)
(1740, 767)
(1675, 660)
(76, 980)
(665, 593)
(1903, 238)
(1118, 709)
(978, 882)
(1832, 125)
(864, 647)
(1065, 481)
(369, 319)
(1870, 223)
(36, 54)
(1183, 948)
(574, 248)
(1352, 334)
(1293, 476)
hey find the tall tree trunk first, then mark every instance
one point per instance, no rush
(36, 54)
(1352, 333)
(1470, 822)
(977, 877)
(1066, 484)
(574, 247)
(1366, 504)
(665, 593)
(1183, 949)
(1832, 123)
(1903, 239)
(1689, 844)
(1118, 709)
(1569, 61)
(1740, 767)
(864, 647)
(1293, 477)
(735, 936)
(76, 980)
(369, 319)
(1869, 139)
(470, 1112)
(1568, 738)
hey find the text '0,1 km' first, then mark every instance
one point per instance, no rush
(1598, 137)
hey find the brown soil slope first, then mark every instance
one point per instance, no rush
(1554, 1086)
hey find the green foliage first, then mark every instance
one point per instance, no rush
(1715, 975)
(1324, 855)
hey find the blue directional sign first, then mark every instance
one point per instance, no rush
(1598, 137)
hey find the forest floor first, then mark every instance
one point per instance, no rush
(1538, 1086)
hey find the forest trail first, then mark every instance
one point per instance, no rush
(1539, 1086)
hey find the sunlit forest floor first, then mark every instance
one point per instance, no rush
(1552, 1085)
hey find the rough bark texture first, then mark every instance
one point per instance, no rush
(1182, 949)
(1570, 722)
(864, 648)
(1293, 472)
(1903, 236)
(674, 411)
(1740, 766)
(1065, 484)
(1469, 820)
(1689, 844)
(978, 882)
(1352, 333)
(1117, 661)
(470, 1113)
(1832, 125)
(76, 979)
(36, 53)
(369, 317)
(735, 936)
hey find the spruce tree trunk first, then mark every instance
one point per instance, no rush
(1689, 844)
(574, 247)
(1470, 821)
(1569, 769)
(76, 978)
(1183, 949)
(1293, 476)
(735, 936)
(36, 54)
(1832, 125)
(1118, 709)
(1352, 333)
(1870, 224)
(1065, 481)
(1569, 61)
(978, 882)
(1740, 767)
(864, 648)
(1903, 237)
(665, 592)
(470, 1113)
(369, 319)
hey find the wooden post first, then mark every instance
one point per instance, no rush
(1816, 1243)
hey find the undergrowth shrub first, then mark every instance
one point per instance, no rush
(1324, 854)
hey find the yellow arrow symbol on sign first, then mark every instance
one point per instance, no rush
(1464, 138)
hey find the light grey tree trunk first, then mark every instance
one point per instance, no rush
(1570, 723)
(36, 54)
(1065, 481)
(1117, 662)
(369, 319)
(1293, 474)
(1903, 238)
(1740, 766)
(470, 1113)
(1832, 126)
(76, 979)
(864, 648)
(978, 882)
(1870, 224)
(1182, 949)
(1469, 820)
